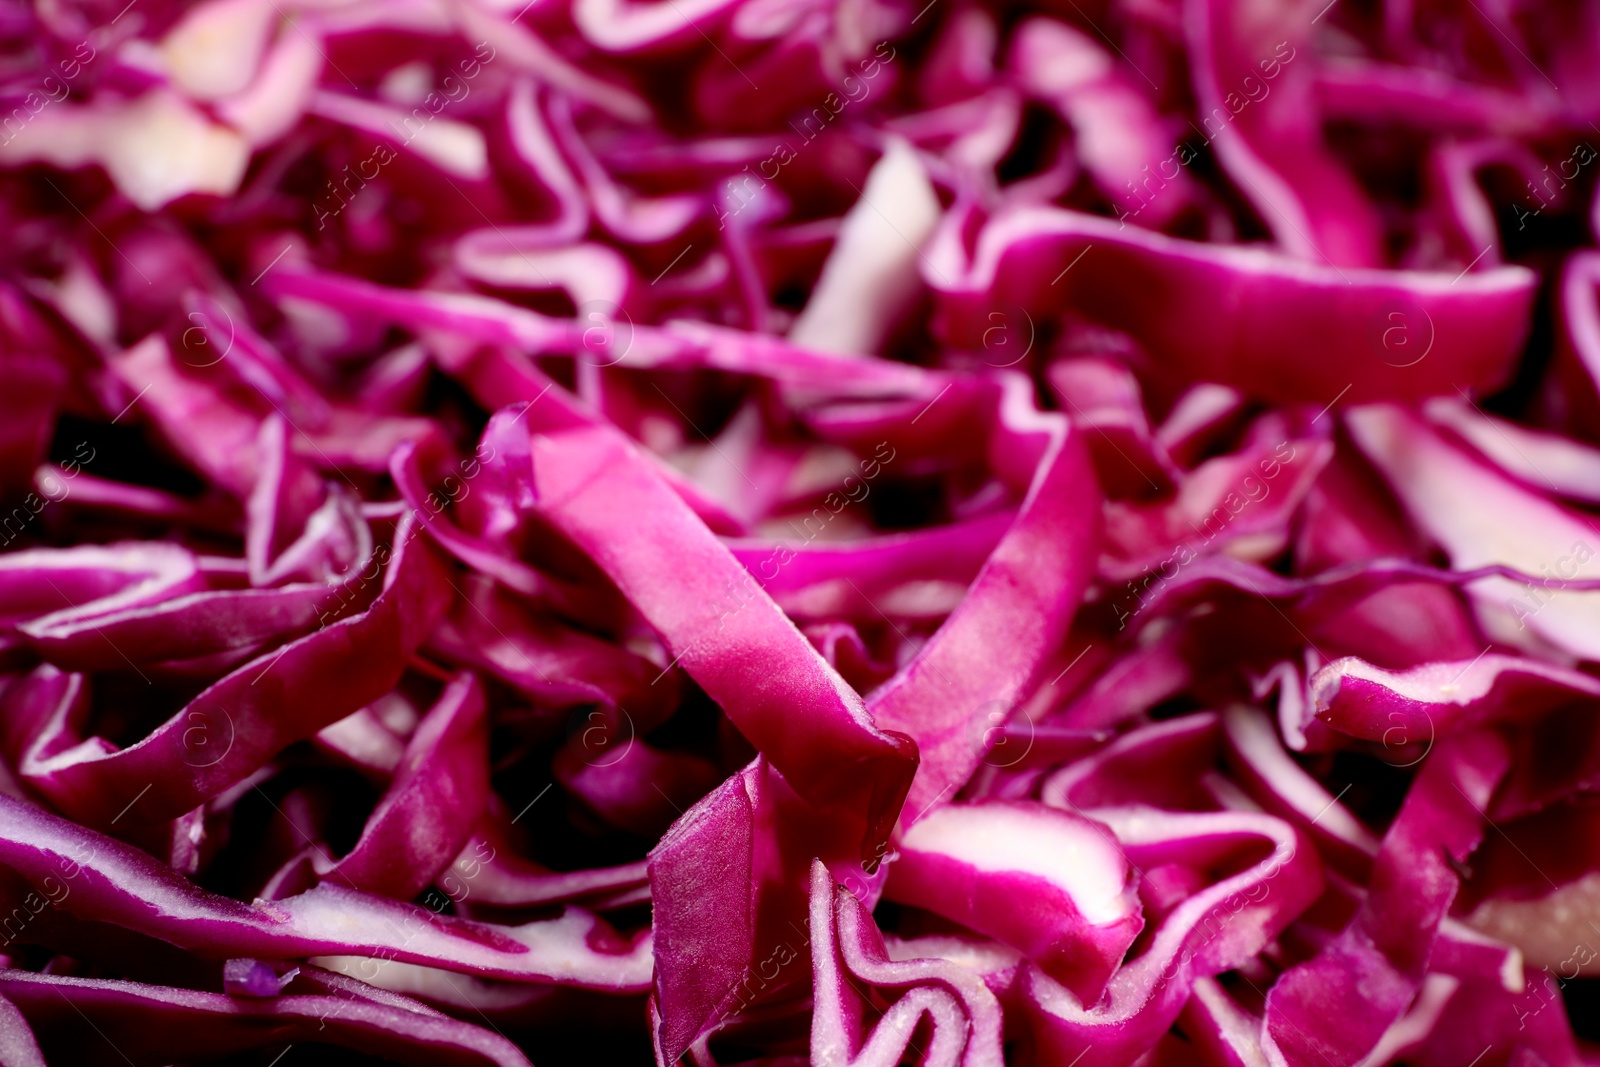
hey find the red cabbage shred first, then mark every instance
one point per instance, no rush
(766, 532)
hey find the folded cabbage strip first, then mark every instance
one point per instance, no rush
(1226, 311)
(253, 712)
(111, 883)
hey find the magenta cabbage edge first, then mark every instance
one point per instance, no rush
(730, 532)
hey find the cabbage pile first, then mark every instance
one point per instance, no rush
(858, 532)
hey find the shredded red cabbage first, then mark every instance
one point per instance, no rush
(720, 532)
